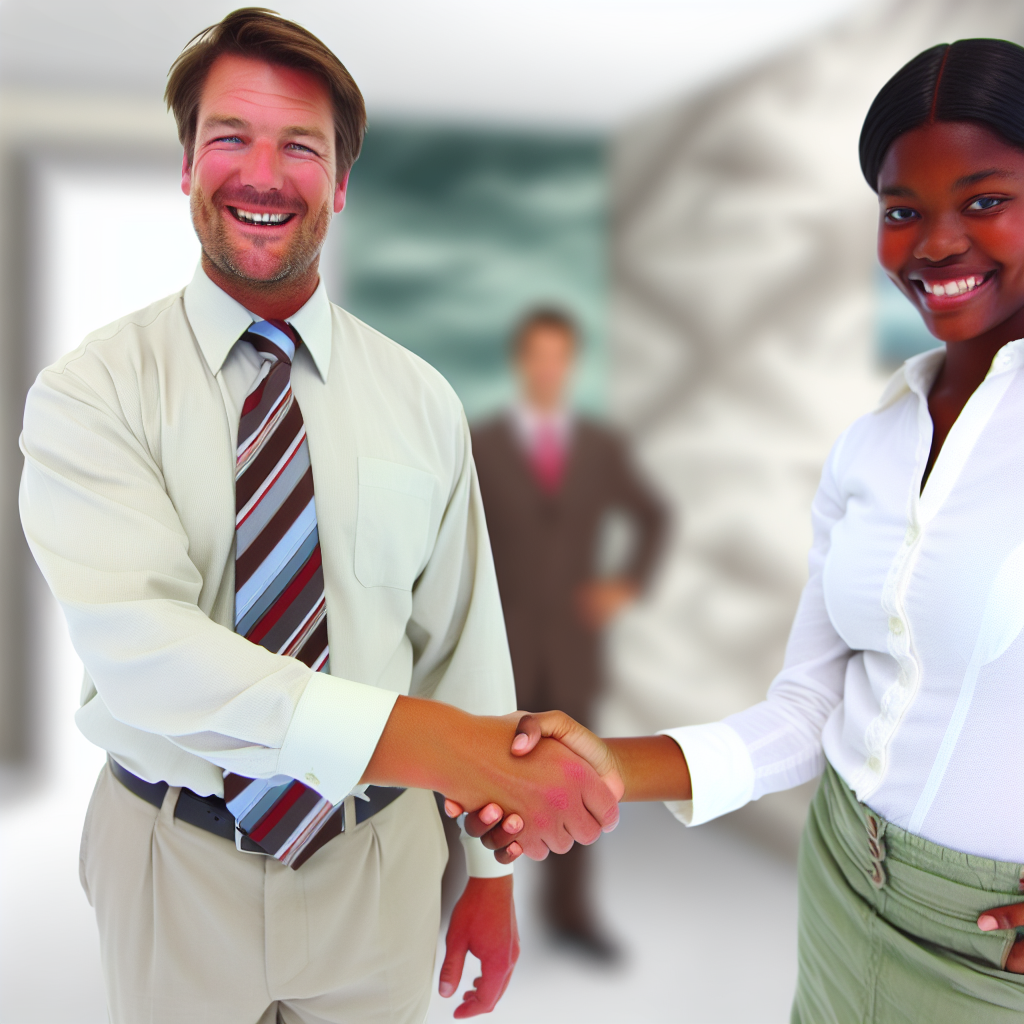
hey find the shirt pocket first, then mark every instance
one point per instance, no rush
(392, 523)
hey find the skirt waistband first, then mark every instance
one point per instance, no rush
(924, 889)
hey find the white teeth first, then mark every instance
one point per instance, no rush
(261, 218)
(958, 287)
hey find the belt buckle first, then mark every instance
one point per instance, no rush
(239, 836)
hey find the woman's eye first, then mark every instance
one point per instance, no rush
(986, 203)
(900, 214)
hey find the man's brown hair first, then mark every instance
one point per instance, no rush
(261, 34)
(551, 317)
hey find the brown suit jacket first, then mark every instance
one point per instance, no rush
(545, 547)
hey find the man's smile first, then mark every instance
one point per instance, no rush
(254, 218)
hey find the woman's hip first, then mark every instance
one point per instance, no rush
(888, 922)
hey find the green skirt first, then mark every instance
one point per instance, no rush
(887, 926)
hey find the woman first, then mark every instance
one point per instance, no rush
(904, 674)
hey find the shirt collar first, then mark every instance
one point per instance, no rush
(218, 321)
(528, 421)
(918, 373)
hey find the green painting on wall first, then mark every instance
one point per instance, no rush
(451, 233)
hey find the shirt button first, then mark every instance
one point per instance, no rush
(875, 764)
(312, 779)
(895, 626)
(912, 534)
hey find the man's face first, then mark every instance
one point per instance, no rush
(262, 181)
(546, 357)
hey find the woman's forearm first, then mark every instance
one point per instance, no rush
(652, 768)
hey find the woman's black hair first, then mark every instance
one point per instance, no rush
(980, 80)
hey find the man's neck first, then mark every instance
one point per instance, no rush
(543, 410)
(271, 302)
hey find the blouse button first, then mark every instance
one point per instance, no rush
(912, 534)
(875, 764)
(895, 626)
(312, 779)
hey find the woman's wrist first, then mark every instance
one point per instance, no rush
(652, 768)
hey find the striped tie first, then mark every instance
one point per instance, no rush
(279, 583)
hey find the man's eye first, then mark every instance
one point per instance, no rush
(900, 214)
(228, 138)
(986, 203)
(298, 145)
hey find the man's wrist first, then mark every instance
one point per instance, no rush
(430, 745)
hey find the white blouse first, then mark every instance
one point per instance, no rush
(905, 665)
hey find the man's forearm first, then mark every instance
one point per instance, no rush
(429, 745)
(652, 768)
(421, 746)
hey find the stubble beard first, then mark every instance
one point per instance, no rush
(302, 251)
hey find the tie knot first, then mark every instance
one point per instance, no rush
(274, 339)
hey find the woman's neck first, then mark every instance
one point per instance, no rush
(966, 365)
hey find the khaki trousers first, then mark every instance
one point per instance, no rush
(192, 930)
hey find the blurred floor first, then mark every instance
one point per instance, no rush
(707, 917)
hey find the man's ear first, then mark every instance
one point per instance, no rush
(340, 191)
(186, 175)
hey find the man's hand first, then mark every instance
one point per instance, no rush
(558, 795)
(1011, 916)
(599, 601)
(483, 923)
(640, 768)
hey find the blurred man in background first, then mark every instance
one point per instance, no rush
(575, 534)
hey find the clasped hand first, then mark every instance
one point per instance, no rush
(507, 834)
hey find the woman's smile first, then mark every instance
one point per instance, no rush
(948, 288)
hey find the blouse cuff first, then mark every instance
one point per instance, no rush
(334, 733)
(721, 771)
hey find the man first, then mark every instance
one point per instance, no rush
(575, 534)
(262, 521)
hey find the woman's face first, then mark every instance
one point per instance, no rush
(951, 228)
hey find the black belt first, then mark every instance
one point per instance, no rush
(211, 814)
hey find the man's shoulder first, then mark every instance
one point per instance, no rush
(596, 432)
(490, 429)
(119, 343)
(398, 368)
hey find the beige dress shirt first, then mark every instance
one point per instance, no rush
(127, 501)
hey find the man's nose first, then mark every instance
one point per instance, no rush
(261, 167)
(941, 239)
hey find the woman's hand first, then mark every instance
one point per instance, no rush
(529, 732)
(559, 726)
(1010, 916)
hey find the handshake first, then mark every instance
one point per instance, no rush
(595, 811)
(532, 784)
(578, 804)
